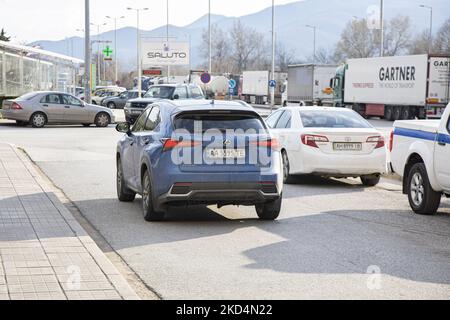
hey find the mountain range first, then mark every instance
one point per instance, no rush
(329, 16)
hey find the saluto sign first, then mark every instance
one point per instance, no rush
(174, 53)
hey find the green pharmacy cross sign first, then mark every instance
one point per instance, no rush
(107, 52)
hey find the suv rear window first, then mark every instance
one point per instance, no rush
(220, 122)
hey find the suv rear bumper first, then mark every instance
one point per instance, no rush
(221, 193)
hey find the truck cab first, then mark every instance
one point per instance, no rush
(337, 84)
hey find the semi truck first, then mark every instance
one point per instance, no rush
(308, 84)
(255, 86)
(394, 88)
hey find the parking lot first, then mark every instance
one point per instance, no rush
(334, 238)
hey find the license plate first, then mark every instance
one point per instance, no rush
(225, 153)
(346, 146)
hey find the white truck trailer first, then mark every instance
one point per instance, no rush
(255, 86)
(420, 154)
(394, 88)
(309, 84)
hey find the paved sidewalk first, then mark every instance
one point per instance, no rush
(44, 252)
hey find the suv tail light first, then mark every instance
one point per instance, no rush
(271, 143)
(170, 144)
(312, 139)
(16, 106)
(379, 140)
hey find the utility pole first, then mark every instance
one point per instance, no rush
(381, 28)
(210, 37)
(167, 35)
(138, 36)
(430, 37)
(87, 54)
(116, 76)
(272, 77)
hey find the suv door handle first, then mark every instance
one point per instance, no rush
(442, 143)
(67, 107)
(45, 105)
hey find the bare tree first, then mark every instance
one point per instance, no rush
(324, 56)
(357, 41)
(419, 44)
(398, 36)
(284, 57)
(220, 49)
(246, 44)
(442, 42)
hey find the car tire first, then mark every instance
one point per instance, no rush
(111, 105)
(102, 120)
(270, 210)
(287, 178)
(38, 120)
(150, 214)
(370, 181)
(422, 198)
(123, 193)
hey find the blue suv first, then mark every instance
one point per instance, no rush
(181, 153)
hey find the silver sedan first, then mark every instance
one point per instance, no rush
(41, 108)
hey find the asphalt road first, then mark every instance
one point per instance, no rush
(331, 241)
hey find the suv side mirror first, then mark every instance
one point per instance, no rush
(124, 127)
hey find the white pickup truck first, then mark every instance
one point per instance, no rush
(420, 154)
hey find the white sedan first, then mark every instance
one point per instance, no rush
(330, 142)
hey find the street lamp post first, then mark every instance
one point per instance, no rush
(272, 89)
(314, 41)
(116, 76)
(138, 35)
(209, 37)
(87, 54)
(430, 37)
(381, 28)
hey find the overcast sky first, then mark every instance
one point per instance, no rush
(31, 20)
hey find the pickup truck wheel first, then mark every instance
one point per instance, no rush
(370, 181)
(422, 198)
(269, 211)
(147, 200)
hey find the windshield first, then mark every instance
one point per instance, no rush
(327, 119)
(161, 92)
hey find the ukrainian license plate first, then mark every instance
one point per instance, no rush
(347, 146)
(225, 153)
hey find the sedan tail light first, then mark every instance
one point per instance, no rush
(16, 106)
(170, 144)
(312, 139)
(379, 140)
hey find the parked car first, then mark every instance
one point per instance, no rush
(101, 94)
(134, 108)
(328, 142)
(118, 102)
(227, 174)
(41, 108)
(420, 154)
